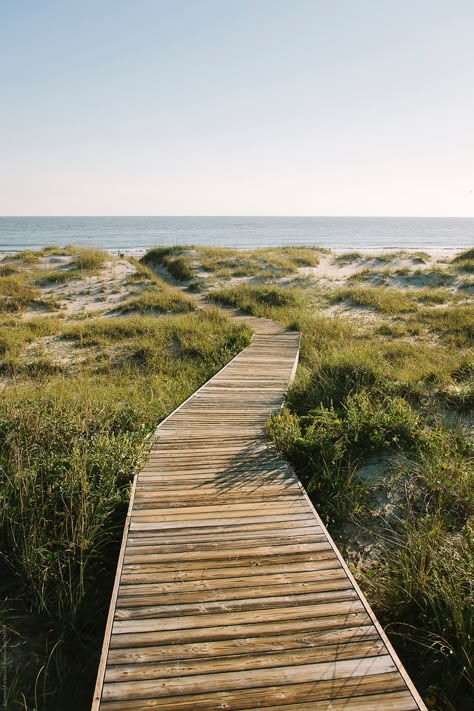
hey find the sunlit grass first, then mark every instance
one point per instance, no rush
(256, 263)
(386, 385)
(78, 399)
(390, 300)
(464, 262)
(260, 300)
(16, 293)
(172, 259)
(394, 374)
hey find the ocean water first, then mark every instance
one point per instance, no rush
(131, 234)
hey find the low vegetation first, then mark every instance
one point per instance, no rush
(154, 299)
(464, 262)
(16, 293)
(258, 263)
(79, 398)
(212, 263)
(349, 257)
(395, 390)
(154, 295)
(173, 259)
(377, 425)
(432, 278)
(389, 300)
(258, 300)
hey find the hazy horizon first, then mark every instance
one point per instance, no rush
(240, 108)
(295, 216)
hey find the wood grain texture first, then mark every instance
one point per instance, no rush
(230, 594)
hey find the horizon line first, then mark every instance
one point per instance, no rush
(448, 217)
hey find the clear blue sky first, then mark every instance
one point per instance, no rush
(237, 107)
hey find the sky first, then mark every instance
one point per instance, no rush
(237, 107)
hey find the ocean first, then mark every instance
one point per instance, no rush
(130, 234)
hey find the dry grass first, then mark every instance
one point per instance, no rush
(390, 300)
(173, 259)
(156, 300)
(464, 262)
(16, 293)
(71, 440)
(155, 295)
(258, 263)
(400, 383)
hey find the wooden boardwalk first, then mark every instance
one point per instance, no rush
(230, 594)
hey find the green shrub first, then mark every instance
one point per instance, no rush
(257, 263)
(258, 300)
(69, 447)
(464, 262)
(164, 300)
(16, 293)
(173, 259)
(425, 588)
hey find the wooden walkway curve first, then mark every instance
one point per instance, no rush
(230, 594)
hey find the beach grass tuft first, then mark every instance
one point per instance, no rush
(16, 293)
(172, 259)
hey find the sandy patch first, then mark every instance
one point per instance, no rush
(355, 312)
(60, 352)
(336, 272)
(98, 294)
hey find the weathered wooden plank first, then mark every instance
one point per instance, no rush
(149, 609)
(236, 631)
(236, 588)
(250, 678)
(229, 598)
(238, 646)
(273, 615)
(247, 699)
(160, 573)
(242, 662)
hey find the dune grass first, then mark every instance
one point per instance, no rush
(27, 256)
(72, 436)
(16, 335)
(398, 385)
(7, 269)
(89, 259)
(16, 293)
(183, 262)
(464, 262)
(155, 296)
(355, 394)
(390, 300)
(173, 259)
(26, 270)
(84, 257)
(260, 300)
(349, 257)
(154, 300)
(431, 278)
(258, 263)
(53, 277)
(84, 262)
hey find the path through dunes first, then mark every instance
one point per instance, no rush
(230, 593)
